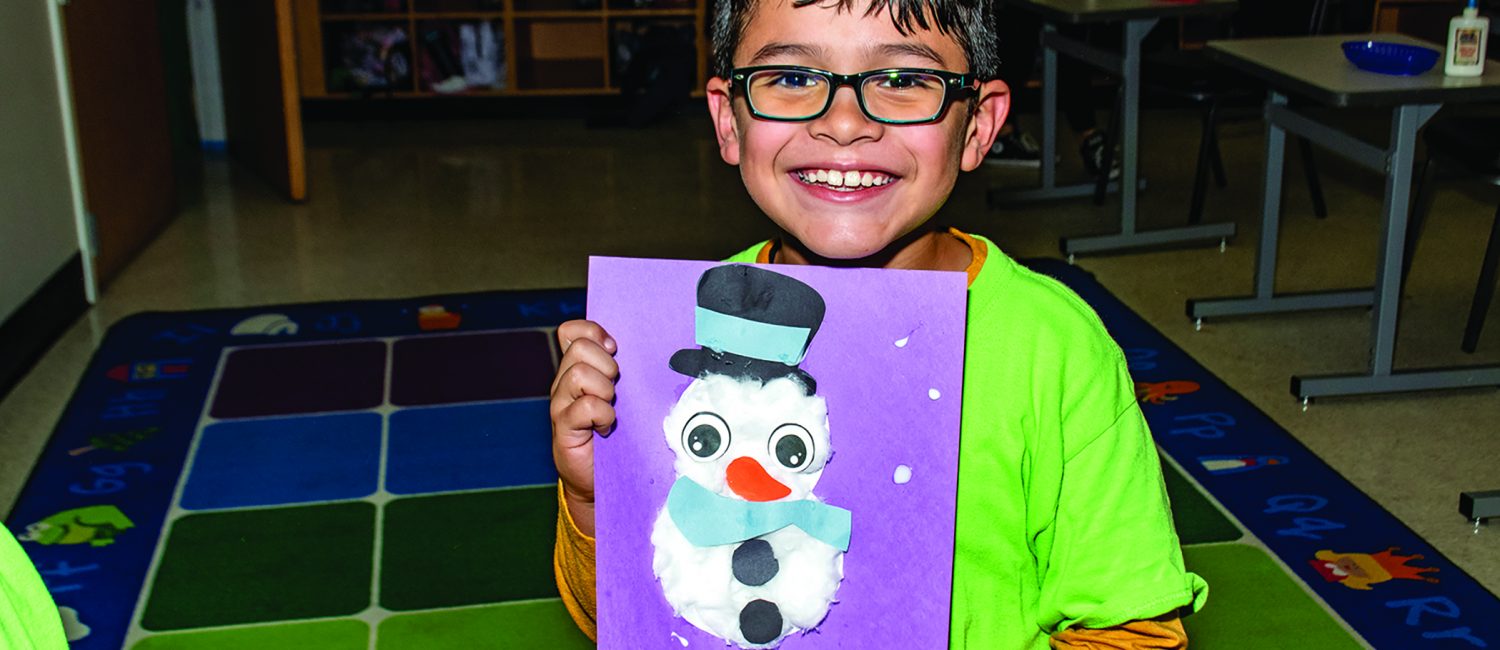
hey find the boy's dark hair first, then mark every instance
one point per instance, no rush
(972, 22)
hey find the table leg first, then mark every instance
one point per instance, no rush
(1048, 189)
(1406, 121)
(1129, 236)
(1265, 300)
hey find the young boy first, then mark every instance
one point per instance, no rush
(1064, 536)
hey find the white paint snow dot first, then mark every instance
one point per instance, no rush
(901, 342)
(932, 393)
(680, 639)
(903, 475)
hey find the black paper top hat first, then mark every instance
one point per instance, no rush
(752, 323)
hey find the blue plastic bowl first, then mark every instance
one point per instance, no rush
(1390, 58)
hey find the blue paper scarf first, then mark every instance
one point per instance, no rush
(708, 519)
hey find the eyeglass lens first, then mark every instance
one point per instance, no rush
(896, 96)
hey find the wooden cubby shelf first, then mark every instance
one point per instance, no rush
(412, 49)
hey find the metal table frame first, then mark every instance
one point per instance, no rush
(1127, 66)
(1395, 162)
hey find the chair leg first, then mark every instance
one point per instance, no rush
(1421, 206)
(1220, 179)
(1101, 184)
(1314, 183)
(1205, 154)
(1485, 290)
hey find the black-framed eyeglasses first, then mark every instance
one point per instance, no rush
(793, 93)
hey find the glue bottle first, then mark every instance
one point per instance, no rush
(1467, 36)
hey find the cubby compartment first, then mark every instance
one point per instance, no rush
(367, 56)
(560, 53)
(461, 56)
(645, 52)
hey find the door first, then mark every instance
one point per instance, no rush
(262, 111)
(120, 116)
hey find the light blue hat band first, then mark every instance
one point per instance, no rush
(749, 338)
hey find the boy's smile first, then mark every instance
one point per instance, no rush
(845, 186)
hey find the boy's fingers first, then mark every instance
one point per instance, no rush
(585, 353)
(576, 330)
(580, 379)
(579, 420)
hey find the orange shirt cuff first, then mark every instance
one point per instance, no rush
(573, 566)
(1162, 633)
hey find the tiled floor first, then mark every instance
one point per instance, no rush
(416, 208)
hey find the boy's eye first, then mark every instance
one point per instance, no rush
(794, 80)
(905, 81)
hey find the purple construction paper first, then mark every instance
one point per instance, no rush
(883, 413)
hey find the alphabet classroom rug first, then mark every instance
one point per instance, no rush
(377, 475)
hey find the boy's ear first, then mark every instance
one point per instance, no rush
(993, 106)
(721, 109)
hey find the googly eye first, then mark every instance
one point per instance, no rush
(705, 437)
(792, 446)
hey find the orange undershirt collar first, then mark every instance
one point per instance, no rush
(979, 252)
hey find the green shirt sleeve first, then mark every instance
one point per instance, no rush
(1113, 555)
(28, 617)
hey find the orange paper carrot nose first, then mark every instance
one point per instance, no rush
(749, 480)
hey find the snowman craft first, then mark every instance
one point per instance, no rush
(743, 549)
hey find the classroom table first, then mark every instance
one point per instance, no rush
(1314, 67)
(1138, 18)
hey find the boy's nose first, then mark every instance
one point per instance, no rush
(844, 122)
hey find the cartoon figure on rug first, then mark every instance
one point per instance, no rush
(743, 549)
(1162, 392)
(1360, 570)
(96, 525)
(1238, 463)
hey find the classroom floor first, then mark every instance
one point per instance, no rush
(416, 208)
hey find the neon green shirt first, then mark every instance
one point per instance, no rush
(28, 617)
(1063, 518)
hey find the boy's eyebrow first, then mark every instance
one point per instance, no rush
(774, 50)
(887, 50)
(909, 49)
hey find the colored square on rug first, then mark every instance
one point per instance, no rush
(471, 368)
(275, 461)
(301, 379)
(452, 550)
(253, 566)
(469, 447)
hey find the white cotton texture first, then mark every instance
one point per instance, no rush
(698, 582)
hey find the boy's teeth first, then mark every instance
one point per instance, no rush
(840, 178)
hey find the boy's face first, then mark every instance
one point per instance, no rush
(777, 159)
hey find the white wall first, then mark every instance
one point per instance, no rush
(37, 231)
(203, 39)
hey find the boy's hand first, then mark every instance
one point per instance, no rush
(583, 396)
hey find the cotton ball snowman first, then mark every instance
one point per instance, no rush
(743, 548)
